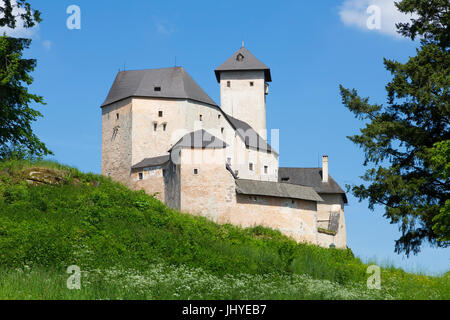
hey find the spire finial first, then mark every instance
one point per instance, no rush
(242, 43)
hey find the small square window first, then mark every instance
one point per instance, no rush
(222, 129)
(160, 114)
(201, 117)
(157, 88)
(195, 171)
(155, 126)
(218, 117)
(266, 169)
(228, 84)
(164, 126)
(117, 116)
(250, 166)
(252, 83)
(141, 176)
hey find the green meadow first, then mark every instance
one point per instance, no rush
(128, 245)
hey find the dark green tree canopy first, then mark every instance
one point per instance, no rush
(16, 115)
(402, 139)
(19, 10)
(432, 21)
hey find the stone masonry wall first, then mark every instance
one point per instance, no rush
(152, 181)
(116, 141)
(293, 217)
(242, 100)
(332, 203)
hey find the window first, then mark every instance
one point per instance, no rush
(284, 179)
(222, 129)
(218, 116)
(164, 172)
(195, 171)
(164, 126)
(250, 166)
(201, 117)
(157, 88)
(117, 116)
(160, 114)
(155, 126)
(228, 84)
(266, 169)
(141, 176)
(252, 83)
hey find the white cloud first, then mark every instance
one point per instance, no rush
(164, 28)
(19, 30)
(47, 44)
(354, 13)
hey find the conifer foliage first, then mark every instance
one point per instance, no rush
(16, 114)
(406, 141)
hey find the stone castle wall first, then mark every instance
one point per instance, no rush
(242, 100)
(117, 141)
(331, 203)
(129, 136)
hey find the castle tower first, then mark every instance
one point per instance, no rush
(243, 88)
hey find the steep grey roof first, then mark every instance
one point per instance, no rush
(248, 62)
(311, 177)
(276, 189)
(152, 162)
(199, 139)
(250, 137)
(174, 83)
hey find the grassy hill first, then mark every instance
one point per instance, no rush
(129, 245)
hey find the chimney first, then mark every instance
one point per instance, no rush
(324, 168)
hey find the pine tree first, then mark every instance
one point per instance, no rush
(16, 115)
(405, 140)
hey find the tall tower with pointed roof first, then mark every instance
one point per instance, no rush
(243, 88)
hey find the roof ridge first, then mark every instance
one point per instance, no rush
(283, 190)
(140, 83)
(148, 69)
(230, 118)
(214, 142)
(247, 61)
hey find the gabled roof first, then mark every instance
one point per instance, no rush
(250, 137)
(152, 162)
(311, 177)
(173, 83)
(243, 60)
(276, 189)
(199, 139)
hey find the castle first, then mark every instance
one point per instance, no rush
(162, 133)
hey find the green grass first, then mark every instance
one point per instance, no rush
(119, 237)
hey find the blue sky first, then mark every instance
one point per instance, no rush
(310, 46)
